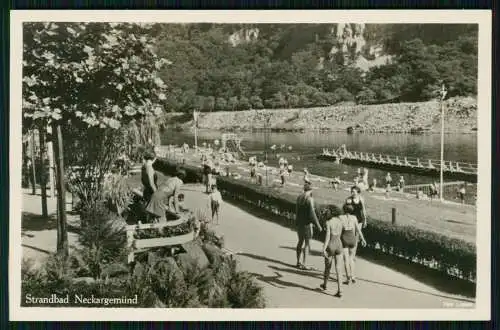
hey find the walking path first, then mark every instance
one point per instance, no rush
(267, 250)
(39, 235)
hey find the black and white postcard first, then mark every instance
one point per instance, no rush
(250, 165)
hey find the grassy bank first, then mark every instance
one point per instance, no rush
(451, 256)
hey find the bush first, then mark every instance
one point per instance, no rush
(42, 283)
(103, 239)
(116, 192)
(448, 255)
(162, 283)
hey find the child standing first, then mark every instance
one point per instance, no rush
(215, 203)
(282, 174)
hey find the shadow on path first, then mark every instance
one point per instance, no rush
(317, 274)
(36, 249)
(312, 252)
(276, 281)
(298, 272)
(420, 273)
(37, 222)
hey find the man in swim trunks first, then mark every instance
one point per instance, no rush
(305, 218)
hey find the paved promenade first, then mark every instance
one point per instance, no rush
(266, 250)
(39, 235)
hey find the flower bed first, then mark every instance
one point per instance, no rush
(143, 237)
(451, 256)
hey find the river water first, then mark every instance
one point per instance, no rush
(306, 146)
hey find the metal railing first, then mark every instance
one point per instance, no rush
(450, 166)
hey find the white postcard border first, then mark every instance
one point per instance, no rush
(481, 17)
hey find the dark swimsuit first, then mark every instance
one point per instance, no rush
(358, 209)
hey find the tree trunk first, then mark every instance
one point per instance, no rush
(62, 232)
(50, 150)
(43, 184)
(33, 164)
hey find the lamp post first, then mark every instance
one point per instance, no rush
(195, 119)
(266, 127)
(442, 93)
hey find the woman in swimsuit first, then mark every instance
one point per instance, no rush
(351, 232)
(332, 247)
(357, 201)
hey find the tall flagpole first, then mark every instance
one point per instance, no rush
(443, 95)
(195, 118)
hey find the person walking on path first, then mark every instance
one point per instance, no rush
(351, 233)
(215, 198)
(283, 173)
(149, 177)
(207, 173)
(305, 218)
(332, 246)
(358, 203)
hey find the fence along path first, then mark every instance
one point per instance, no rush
(451, 219)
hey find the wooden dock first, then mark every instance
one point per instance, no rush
(459, 171)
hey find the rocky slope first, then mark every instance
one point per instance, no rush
(461, 116)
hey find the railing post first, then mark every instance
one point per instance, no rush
(393, 215)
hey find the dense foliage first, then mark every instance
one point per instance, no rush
(448, 255)
(160, 281)
(308, 65)
(91, 79)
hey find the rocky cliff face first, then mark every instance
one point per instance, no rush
(244, 35)
(348, 39)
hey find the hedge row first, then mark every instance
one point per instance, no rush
(448, 255)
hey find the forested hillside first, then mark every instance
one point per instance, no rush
(222, 67)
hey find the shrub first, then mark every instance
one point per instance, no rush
(243, 292)
(116, 192)
(162, 283)
(102, 237)
(42, 283)
(451, 256)
(167, 282)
